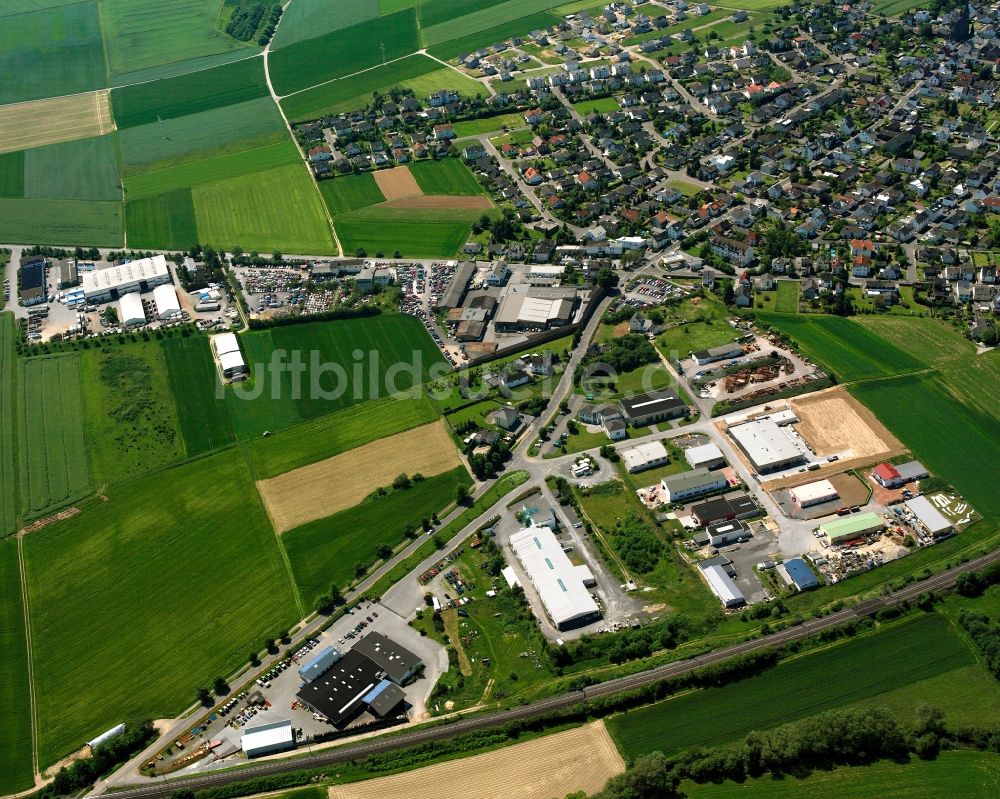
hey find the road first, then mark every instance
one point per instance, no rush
(341, 754)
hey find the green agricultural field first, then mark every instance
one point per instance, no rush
(9, 508)
(307, 19)
(231, 84)
(444, 78)
(148, 33)
(162, 222)
(929, 340)
(278, 209)
(326, 552)
(201, 413)
(354, 93)
(393, 338)
(16, 772)
(12, 174)
(85, 169)
(447, 176)
(476, 127)
(343, 52)
(12, 7)
(976, 379)
(695, 336)
(942, 430)
(845, 348)
(51, 433)
(970, 775)
(602, 105)
(348, 193)
(895, 8)
(786, 297)
(437, 12)
(130, 416)
(413, 239)
(155, 141)
(51, 52)
(468, 42)
(334, 433)
(898, 656)
(183, 571)
(211, 170)
(451, 26)
(68, 222)
(245, 151)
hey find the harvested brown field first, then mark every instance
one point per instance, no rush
(397, 184)
(555, 765)
(442, 201)
(335, 484)
(832, 421)
(851, 490)
(39, 122)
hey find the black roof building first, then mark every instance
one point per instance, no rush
(656, 406)
(397, 662)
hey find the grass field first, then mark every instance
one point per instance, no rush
(184, 573)
(845, 348)
(970, 775)
(12, 174)
(326, 552)
(786, 297)
(51, 433)
(469, 42)
(350, 193)
(389, 339)
(413, 239)
(16, 772)
(68, 222)
(340, 482)
(306, 19)
(945, 433)
(129, 413)
(444, 78)
(147, 33)
(901, 655)
(602, 105)
(85, 169)
(51, 52)
(39, 122)
(894, 8)
(334, 433)
(166, 220)
(202, 416)
(447, 176)
(9, 508)
(976, 380)
(694, 336)
(928, 340)
(231, 84)
(343, 52)
(476, 127)
(446, 25)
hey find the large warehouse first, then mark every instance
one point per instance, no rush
(722, 585)
(706, 456)
(930, 518)
(851, 528)
(561, 586)
(167, 305)
(725, 509)
(656, 406)
(227, 349)
(682, 486)
(520, 311)
(815, 493)
(644, 456)
(766, 445)
(266, 739)
(145, 274)
(130, 311)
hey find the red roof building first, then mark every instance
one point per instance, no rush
(885, 475)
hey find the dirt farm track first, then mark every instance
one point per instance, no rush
(582, 759)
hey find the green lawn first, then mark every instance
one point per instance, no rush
(326, 552)
(306, 19)
(61, 222)
(9, 508)
(447, 176)
(965, 774)
(786, 298)
(694, 336)
(602, 105)
(146, 600)
(476, 127)
(16, 771)
(51, 432)
(194, 380)
(347, 193)
(685, 187)
(856, 671)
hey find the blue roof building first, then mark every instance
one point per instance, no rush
(800, 574)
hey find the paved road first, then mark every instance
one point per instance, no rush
(341, 754)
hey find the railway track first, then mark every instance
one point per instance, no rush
(497, 718)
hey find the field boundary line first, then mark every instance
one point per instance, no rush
(342, 77)
(31, 663)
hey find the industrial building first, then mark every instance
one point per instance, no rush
(457, 287)
(167, 305)
(722, 534)
(716, 574)
(69, 273)
(851, 528)
(889, 476)
(797, 572)
(316, 666)
(644, 456)
(720, 353)
(656, 406)
(685, 485)
(724, 509)
(32, 280)
(398, 663)
(227, 349)
(561, 586)
(933, 522)
(766, 445)
(145, 274)
(814, 493)
(534, 310)
(130, 311)
(707, 456)
(266, 739)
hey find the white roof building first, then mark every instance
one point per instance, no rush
(102, 285)
(227, 348)
(707, 455)
(561, 586)
(766, 444)
(644, 456)
(130, 311)
(167, 304)
(930, 518)
(814, 493)
(265, 739)
(722, 586)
